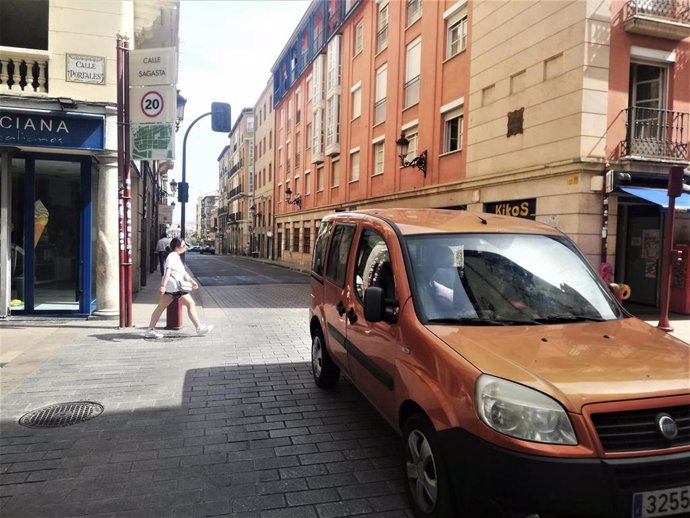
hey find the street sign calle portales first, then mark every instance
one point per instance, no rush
(153, 103)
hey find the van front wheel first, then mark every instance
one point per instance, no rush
(426, 479)
(326, 373)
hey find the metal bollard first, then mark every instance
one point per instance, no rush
(173, 315)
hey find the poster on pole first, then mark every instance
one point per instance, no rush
(153, 141)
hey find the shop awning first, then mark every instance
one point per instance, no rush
(659, 196)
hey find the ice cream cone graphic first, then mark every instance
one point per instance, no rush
(40, 220)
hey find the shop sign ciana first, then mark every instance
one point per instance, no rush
(52, 129)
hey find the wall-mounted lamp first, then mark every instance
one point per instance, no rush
(419, 162)
(173, 187)
(179, 114)
(296, 201)
(66, 103)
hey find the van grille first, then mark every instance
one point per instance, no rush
(649, 476)
(637, 430)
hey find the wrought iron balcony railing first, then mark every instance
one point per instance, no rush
(658, 134)
(668, 19)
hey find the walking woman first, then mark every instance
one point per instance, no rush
(170, 290)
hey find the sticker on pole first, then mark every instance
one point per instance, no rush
(152, 104)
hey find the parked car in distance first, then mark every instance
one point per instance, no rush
(195, 248)
(207, 250)
(519, 384)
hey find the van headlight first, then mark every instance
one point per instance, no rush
(522, 412)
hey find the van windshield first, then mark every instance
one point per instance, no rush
(505, 279)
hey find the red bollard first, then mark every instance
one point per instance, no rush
(173, 315)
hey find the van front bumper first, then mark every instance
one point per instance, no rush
(503, 481)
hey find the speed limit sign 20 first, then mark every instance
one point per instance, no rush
(152, 104)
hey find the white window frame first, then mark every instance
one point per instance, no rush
(379, 156)
(413, 70)
(354, 171)
(448, 118)
(359, 38)
(456, 28)
(414, 11)
(356, 96)
(382, 27)
(335, 173)
(380, 85)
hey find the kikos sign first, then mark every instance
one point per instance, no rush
(70, 131)
(515, 208)
(149, 67)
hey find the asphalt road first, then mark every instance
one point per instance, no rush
(224, 270)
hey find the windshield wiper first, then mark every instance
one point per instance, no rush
(482, 322)
(557, 319)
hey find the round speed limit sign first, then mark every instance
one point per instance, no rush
(152, 104)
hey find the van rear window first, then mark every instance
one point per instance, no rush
(319, 258)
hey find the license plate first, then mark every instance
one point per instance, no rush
(665, 502)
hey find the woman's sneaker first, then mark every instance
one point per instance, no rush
(203, 330)
(152, 333)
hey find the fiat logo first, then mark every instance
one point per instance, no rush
(667, 426)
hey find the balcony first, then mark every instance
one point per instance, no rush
(23, 71)
(669, 19)
(656, 134)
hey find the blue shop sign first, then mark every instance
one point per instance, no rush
(56, 130)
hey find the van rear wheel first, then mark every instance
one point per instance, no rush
(326, 373)
(424, 471)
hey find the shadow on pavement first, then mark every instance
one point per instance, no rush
(249, 441)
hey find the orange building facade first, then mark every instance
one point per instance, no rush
(554, 111)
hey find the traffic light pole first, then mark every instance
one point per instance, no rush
(183, 188)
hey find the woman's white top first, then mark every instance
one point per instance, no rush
(174, 262)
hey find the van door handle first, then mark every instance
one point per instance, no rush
(340, 308)
(351, 315)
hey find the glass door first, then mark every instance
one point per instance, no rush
(51, 234)
(56, 239)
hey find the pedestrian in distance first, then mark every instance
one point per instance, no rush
(170, 291)
(162, 249)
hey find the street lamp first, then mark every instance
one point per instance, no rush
(173, 187)
(220, 121)
(419, 162)
(179, 115)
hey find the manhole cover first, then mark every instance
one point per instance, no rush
(61, 414)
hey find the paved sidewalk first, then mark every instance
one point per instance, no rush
(228, 424)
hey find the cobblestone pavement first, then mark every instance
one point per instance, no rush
(230, 424)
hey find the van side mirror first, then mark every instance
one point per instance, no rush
(377, 307)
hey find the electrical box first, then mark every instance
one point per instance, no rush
(680, 281)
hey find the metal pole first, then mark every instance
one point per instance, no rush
(127, 195)
(675, 182)
(121, 173)
(183, 201)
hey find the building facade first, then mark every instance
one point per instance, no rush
(205, 226)
(59, 245)
(240, 184)
(261, 210)
(554, 111)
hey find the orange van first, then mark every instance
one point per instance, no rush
(520, 386)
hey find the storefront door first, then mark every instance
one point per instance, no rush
(643, 254)
(50, 232)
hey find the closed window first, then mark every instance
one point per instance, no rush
(359, 38)
(413, 58)
(456, 36)
(380, 95)
(378, 157)
(295, 241)
(382, 27)
(306, 242)
(335, 173)
(357, 101)
(452, 131)
(336, 269)
(412, 136)
(354, 166)
(319, 178)
(414, 11)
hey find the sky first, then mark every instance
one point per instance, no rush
(227, 49)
